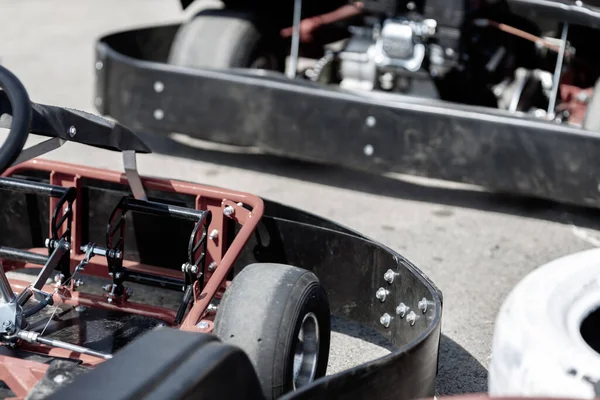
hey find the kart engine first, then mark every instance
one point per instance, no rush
(474, 52)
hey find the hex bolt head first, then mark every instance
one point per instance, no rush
(389, 276)
(212, 266)
(401, 310)
(385, 320)
(423, 305)
(194, 269)
(213, 234)
(72, 131)
(411, 318)
(228, 211)
(381, 294)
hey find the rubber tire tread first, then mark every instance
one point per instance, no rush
(216, 39)
(261, 312)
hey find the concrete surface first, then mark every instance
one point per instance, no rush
(474, 245)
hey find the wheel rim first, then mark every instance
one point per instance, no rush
(306, 353)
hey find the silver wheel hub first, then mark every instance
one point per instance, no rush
(306, 353)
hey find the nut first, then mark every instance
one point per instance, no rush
(423, 305)
(411, 318)
(385, 320)
(381, 294)
(389, 276)
(401, 310)
(228, 211)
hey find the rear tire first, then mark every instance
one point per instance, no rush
(226, 39)
(264, 312)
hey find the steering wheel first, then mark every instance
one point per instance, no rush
(21, 118)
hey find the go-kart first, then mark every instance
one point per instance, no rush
(254, 282)
(494, 93)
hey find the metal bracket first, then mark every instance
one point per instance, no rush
(39, 149)
(133, 177)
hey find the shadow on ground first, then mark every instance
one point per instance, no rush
(379, 184)
(458, 372)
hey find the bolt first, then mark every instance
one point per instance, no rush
(78, 282)
(107, 288)
(410, 5)
(579, 3)
(184, 267)
(80, 308)
(371, 121)
(159, 86)
(385, 320)
(228, 211)
(211, 309)
(59, 378)
(58, 278)
(47, 242)
(212, 266)
(202, 325)
(8, 326)
(389, 276)
(72, 131)
(368, 150)
(194, 269)
(159, 114)
(423, 305)
(109, 300)
(401, 310)
(118, 275)
(99, 65)
(381, 294)
(411, 318)
(214, 234)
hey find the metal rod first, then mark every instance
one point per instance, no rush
(61, 248)
(18, 255)
(558, 69)
(293, 66)
(30, 187)
(165, 210)
(33, 337)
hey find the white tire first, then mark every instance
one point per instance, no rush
(538, 348)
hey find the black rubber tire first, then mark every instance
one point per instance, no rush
(262, 313)
(591, 121)
(226, 39)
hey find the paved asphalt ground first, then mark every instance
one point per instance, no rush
(474, 245)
